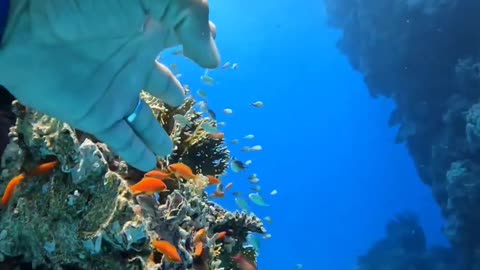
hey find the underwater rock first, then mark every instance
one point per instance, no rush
(91, 162)
(467, 73)
(472, 128)
(402, 248)
(463, 189)
(405, 247)
(424, 55)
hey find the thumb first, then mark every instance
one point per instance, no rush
(196, 34)
(190, 21)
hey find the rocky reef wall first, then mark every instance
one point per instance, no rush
(425, 55)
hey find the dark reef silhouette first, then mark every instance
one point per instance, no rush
(425, 55)
(404, 247)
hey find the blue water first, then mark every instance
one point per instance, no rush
(327, 147)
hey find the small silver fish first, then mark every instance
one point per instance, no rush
(268, 219)
(226, 65)
(242, 204)
(257, 199)
(212, 114)
(245, 149)
(219, 187)
(202, 94)
(203, 105)
(249, 137)
(237, 166)
(256, 188)
(274, 192)
(234, 66)
(209, 128)
(207, 79)
(267, 236)
(253, 179)
(228, 111)
(256, 148)
(257, 104)
(181, 120)
(253, 242)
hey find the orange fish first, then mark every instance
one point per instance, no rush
(216, 136)
(200, 236)
(181, 170)
(221, 235)
(218, 194)
(158, 174)
(243, 263)
(148, 185)
(168, 250)
(42, 169)
(228, 186)
(11, 188)
(213, 180)
(198, 249)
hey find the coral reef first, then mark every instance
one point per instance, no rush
(405, 247)
(425, 55)
(194, 146)
(83, 215)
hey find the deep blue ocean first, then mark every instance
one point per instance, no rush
(327, 148)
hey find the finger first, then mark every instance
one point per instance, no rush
(195, 35)
(194, 32)
(117, 102)
(190, 21)
(165, 86)
(121, 138)
(146, 126)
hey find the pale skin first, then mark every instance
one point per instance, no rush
(85, 62)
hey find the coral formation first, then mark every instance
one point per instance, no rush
(405, 247)
(194, 146)
(82, 214)
(425, 56)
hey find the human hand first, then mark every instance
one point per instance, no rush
(85, 62)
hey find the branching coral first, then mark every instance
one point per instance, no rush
(193, 145)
